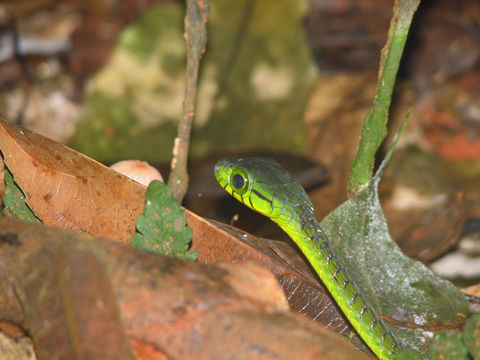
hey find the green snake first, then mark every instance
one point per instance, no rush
(264, 186)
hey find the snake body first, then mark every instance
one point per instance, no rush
(264, 186)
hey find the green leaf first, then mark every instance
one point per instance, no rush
(412, 300)
(471, 335)
(14, 200)
(408, 354)
(162, 226)
(448, 345)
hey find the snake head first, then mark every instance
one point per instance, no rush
(239, 178)
(261, 184)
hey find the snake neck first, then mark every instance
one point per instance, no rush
(302, 226)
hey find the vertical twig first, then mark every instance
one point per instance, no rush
(374, 127)
(196, 40)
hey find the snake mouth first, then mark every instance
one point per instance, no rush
(220, 174)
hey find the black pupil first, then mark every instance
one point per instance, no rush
(238, 181)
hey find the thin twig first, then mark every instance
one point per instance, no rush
(196, 39)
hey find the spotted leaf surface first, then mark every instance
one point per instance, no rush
(14, 200)
(162, 226)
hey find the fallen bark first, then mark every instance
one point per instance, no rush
(86, 298)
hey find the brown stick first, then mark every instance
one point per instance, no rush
(196, 39)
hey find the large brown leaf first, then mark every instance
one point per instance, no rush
(71, 191)
(68, 190)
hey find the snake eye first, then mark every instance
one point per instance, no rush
(238, 181)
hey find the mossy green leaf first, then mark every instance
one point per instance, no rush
(448, 345)
(471, 335)
(162, 226)
(408, 354)
(14, 200)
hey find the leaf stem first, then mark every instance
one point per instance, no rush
(374, 127)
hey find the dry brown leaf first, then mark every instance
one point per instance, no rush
(14, 343)
(473, 290)
(427, 233)
(334, 126)
(70, 191)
